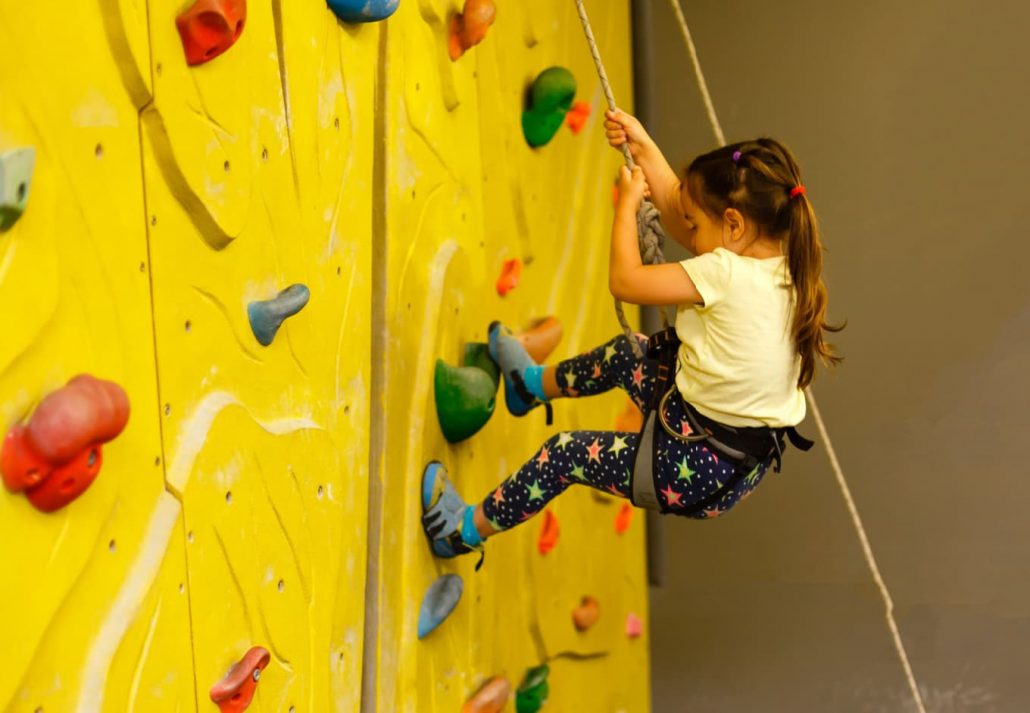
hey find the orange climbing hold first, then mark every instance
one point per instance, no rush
(511, 272)
(549, 532)
(234, 693)
(491, 698)
(577, 117)
(624, 518)
(631, 418)
(586, 614)
(210, 27)
(541, 337)
(57, 455)
(469, 28)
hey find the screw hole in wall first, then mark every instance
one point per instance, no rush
(281, 585)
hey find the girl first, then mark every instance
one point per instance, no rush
(750, 323)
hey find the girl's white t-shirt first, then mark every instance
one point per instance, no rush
(737, 361)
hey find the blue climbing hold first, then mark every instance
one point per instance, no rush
(439, 602)
(363, 10)
(267, 316)
(15, 180)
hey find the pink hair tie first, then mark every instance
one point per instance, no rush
(797, 190)
(736, 156)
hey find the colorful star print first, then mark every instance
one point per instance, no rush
(638, 375)
(542, 458)
(672, 498)
(618, 445)
(564, 439)
(609, 352)
(535, 491)
(594, 451)
(577, 472)
(685, 473)
(499, 495)
(596, 374)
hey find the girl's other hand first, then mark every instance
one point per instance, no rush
(632, 187)
(621, 128)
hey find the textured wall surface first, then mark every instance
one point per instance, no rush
(237, 507)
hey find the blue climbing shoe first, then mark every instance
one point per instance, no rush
(513, 360)
(444, 515)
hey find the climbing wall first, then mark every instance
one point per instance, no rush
(167, 207)
(464, 194)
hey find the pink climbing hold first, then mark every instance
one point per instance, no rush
(634, 627)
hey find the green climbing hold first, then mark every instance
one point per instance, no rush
(478, 354)
(464, 399)
(533, 690)
(547, 103)
(15, 180)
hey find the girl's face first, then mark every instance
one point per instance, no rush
(707, 232)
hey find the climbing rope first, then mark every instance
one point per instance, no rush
(650, 234)
(856, 520)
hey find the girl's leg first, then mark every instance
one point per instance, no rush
(601, 459)
(611, 365)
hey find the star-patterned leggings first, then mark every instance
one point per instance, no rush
(685, 473)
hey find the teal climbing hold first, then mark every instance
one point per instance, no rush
(363, 10)
(267, 316)
(15, 180)
(440, 600)
(548, 100)
(533, 691)
(478, 354)
(465, 398)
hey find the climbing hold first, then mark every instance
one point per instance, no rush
(577, 117)
(623, 518)
(469, 27)
(586, 614)
(478, 354)
(268, 315)
(533, 691)
(511, 272)
(631, 419)
(15, 180)
(234, 693)
(210, 27)
(549, 532)
(547, 101)
(491, 698)
(440, 600)
(57, 455)
(541, 337)
(465, 397)
(634, 627)
(363, 10)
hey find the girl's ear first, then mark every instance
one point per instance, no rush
(733, 223)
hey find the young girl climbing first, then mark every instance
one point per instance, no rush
(750, 323)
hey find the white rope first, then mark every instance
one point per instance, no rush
(838, 472)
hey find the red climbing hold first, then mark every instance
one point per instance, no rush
(210, 27)
(577, 117)
(586, 614)
(511, 271)
(469, 28)
(57, 456)
(234, 693)
(549, 532)
(624, 518)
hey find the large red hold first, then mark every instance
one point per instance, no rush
(210, 27)
(57, 455)
(234, 693)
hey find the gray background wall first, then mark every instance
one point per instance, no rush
(910, 122)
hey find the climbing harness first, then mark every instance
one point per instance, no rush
(737, 445)
(650, 233)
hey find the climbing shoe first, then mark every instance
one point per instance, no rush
(446, 518)
(523, 390)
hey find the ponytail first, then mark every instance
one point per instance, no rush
(762, 180)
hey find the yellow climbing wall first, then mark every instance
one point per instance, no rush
(463, 193)
(234, 509)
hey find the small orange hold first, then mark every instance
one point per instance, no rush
(210, 27)
(549, 532)
(511, 273)
(586, 614)
(624, 518)
(469, 28)
(491, 698)
(234, 693)
(631, 418)
(577, 117)
(634, 627)
(541, 337)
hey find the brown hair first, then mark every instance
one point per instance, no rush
(758, 181)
